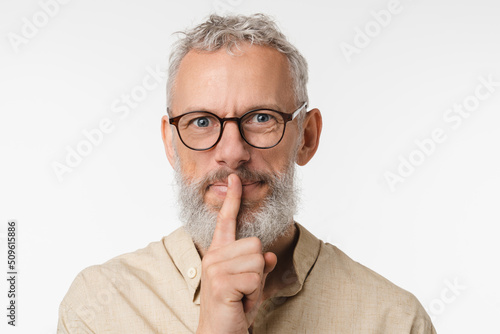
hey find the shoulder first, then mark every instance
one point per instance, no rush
(101, 296)
(367, 299)
(334, 260)
(117, 269)
(114, 276)
(371, 293)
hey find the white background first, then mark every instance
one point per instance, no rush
(440, 225)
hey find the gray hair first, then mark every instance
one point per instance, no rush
(219, 31)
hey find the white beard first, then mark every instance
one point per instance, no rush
(268, 220)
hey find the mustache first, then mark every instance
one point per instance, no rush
(245, 174)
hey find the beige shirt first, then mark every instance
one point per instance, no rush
(157, 290)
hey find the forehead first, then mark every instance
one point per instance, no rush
(254, 76)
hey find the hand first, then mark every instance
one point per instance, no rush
(233, 272)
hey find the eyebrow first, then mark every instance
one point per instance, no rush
(272, 106)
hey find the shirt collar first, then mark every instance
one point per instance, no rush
(305, 254)
(186, 258)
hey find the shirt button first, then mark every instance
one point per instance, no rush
(192, 272)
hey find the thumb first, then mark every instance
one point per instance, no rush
(271, 260)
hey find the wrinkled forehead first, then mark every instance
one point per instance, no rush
(232, 83)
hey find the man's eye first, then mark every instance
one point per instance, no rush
(261, 118)
(201, 122)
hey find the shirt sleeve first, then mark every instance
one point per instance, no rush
(71, 322)
(77, 314)
(423, 326)
(422, 323)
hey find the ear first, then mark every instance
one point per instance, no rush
(311, 133)
(166, 134)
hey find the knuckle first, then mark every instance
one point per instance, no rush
(217, 287)
(256, 244)
(206, 261)
(220, 217)
(259, 260)
(212, 271)
(254, 279)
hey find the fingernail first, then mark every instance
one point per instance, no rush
(229, 181)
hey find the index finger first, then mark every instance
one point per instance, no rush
(225, 229)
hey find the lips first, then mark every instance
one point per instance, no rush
(224, 183)
(251, 183)
(221, 186)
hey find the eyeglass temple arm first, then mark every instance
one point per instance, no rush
(296, 112)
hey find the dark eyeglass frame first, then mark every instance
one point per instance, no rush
(286, 118)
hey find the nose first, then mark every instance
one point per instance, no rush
(232, 151)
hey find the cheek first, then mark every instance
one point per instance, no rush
(285, 150)
(279, 158)
(193, 164)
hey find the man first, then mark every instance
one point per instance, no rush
(237, 124)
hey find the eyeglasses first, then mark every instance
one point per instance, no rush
(260, 128)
